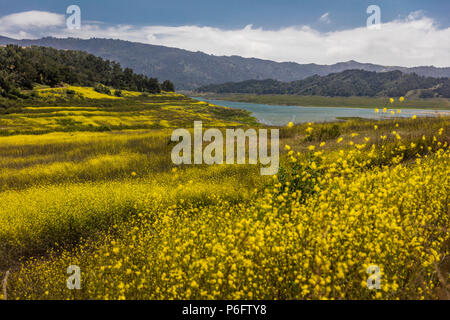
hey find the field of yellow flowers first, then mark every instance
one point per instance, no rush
(348, 195)
(89, 111)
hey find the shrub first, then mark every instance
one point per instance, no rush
(102, 89)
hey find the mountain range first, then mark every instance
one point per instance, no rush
(189, 70)
(343, 84)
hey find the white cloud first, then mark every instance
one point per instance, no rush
(30, 23)
(325, 18)
(416, 15)
(412, 41)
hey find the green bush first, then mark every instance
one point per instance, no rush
(102, 89)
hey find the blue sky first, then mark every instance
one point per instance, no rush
(411, 33)
(236, 13)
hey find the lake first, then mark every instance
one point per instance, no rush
(281, 115)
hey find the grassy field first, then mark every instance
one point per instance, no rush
(92, 111)
(318, 101)
(108, 199)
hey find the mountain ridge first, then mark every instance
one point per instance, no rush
(190, 70)
(343, 84)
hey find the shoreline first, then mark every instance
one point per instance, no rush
(330, 102)
(264, 120)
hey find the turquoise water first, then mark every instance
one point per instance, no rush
(281, 115)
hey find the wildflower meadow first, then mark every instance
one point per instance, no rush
(94, 187)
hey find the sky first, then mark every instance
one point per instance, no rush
(411, 32)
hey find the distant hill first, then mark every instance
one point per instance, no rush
(22, 68)
(189, 70)
(344, 84)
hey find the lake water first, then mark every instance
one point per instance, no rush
(281, 115)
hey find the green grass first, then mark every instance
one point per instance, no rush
(71, 195)
(51, 114)
(73, 185)
(70, 169)
(71, 198)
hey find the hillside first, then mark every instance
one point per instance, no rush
(343, 84)
(22, 68)
(189, 70)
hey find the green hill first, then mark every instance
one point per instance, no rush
(343, 84)
(23, 68)
(189, 70)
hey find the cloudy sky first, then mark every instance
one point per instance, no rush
(411, 33)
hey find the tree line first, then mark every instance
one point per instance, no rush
(23, 68)
(344, 84)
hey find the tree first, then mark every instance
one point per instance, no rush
(25, 67)
(167, 86)
(153, 86)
